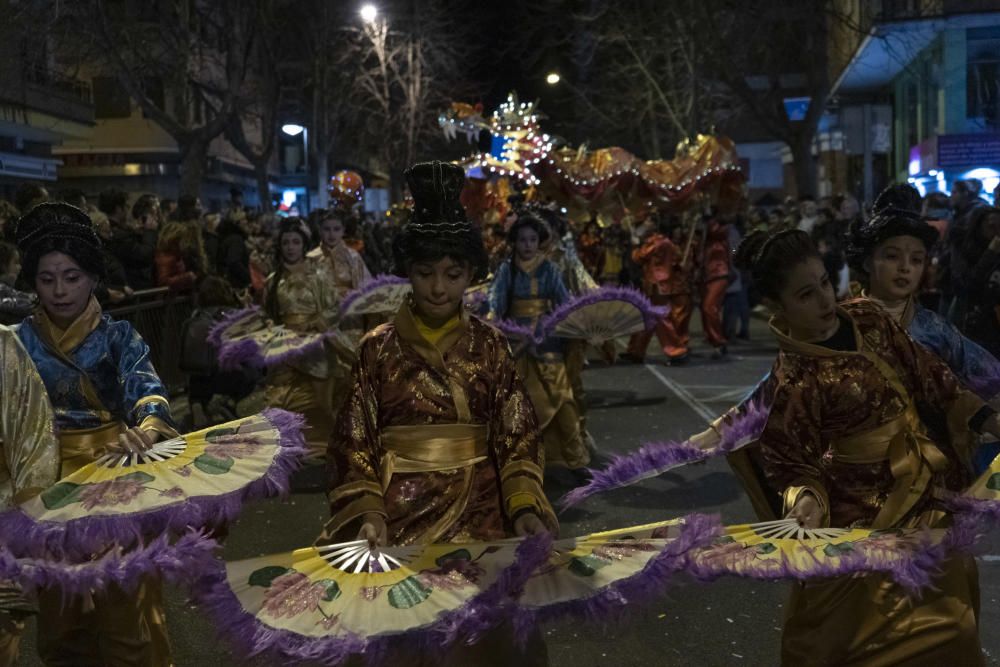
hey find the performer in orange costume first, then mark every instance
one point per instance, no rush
(715, 279)
(665, 281)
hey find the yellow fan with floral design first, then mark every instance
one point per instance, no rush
(784, 550)
(197, 480)
(327, 603)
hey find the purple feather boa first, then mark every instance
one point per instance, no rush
(477, 616)
(698, 531)
(77, 539)
(175, 561)
(650, 313)
(373, 284)
(655, 458)
(219, 329)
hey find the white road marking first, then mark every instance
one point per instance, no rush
(699, 408)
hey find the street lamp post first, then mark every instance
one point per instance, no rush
(553, 78)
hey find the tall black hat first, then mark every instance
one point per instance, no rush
(436, 188)
(58, 227)
(438, 225)
(896, 213)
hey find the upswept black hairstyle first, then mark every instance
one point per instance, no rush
(438, 227)
(58, 227)
(292, 225)
(896, 212)
(531, 221)
(771, 257)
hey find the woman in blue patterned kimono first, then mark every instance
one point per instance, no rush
(106, 395)
(526, 287)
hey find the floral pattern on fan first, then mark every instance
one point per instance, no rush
(221, 450)
(299, 605)
(193, 481)
(784, 550)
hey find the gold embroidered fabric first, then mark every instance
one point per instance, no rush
(30, 461)
(402, 380)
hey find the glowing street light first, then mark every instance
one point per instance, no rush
(368, 13)
(292, 130)
(552, 78)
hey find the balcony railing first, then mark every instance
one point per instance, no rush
(46, 91)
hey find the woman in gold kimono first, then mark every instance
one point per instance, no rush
(106, 395)
(526, 287)
(438, 441)
(299, 298)
(28, 465)
(866, 427)
(340, 267)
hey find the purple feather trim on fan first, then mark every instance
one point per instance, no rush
(216, 332)
(476, 617)
(912, 567)
(697, 530)
(512, 329)
(243, 352)
(78, 539)
(656, 458)
(177, 561)
(373, 284)
(650, 313)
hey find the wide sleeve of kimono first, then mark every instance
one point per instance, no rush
(976, 368)
(792, 445)
(30, 448)
(516, 440)
(355, 451)
(500, 291)
(557, 288)
(144, 397)
(935, 389)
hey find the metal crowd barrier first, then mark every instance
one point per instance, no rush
(157, 315)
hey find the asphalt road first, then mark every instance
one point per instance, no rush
(728, 622)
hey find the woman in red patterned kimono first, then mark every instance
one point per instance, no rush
(865, 428)
(438, 441)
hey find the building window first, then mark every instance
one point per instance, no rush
(982, 84)
(110, 98)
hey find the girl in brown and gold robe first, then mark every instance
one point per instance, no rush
(438, 441)
(865, 429)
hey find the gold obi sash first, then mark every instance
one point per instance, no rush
(528, 307)
(431, 448)
(913, 458)
(78, 447)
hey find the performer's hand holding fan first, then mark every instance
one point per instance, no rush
(198, 480)
(602, 315)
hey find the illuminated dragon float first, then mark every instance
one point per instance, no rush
(605, 181)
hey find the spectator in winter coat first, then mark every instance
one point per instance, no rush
(232, 259)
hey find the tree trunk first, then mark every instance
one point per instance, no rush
(193, 154)
(263, 185)
(322, 178)
(803, 164)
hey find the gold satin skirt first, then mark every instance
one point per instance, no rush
(869, 621)
(319, 400)
(551, 395)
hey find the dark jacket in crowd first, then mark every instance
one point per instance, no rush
(232, 261)
(134, 249)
